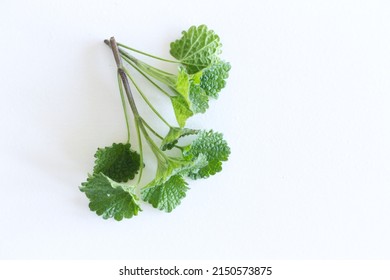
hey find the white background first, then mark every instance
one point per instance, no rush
(305, 111)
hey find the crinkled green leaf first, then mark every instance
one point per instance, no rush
(197, 49)
(181, 109)
(109, 198)
(212, 167)
(199, 99)
(119, 162)
(197, 164)
(214, 147)
(173, 135)
(166, 196)
(213, 78)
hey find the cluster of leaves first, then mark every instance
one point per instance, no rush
(111, 188)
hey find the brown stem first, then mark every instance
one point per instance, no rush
(122, 75)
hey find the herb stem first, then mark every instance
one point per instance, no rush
(141, 167)
(152, 130)
(160, 155)
(137, 118)
(163, 76)
(124, 108)
(145, 65)
(146, 77)
(122, 74)
(146, 99)
(147, 54)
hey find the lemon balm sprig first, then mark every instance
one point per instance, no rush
(115, 187)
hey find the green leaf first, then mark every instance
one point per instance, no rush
(197, 164)
(181, 109)
(119, 162)
(173, 135)
(192, 93)
(197, 49)
(109, 198)
(212, 167)
(171, 166)
(166, 196)
(196, 78)
(183, 84)
(214, 147)
(198, 98)
(213, 79)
